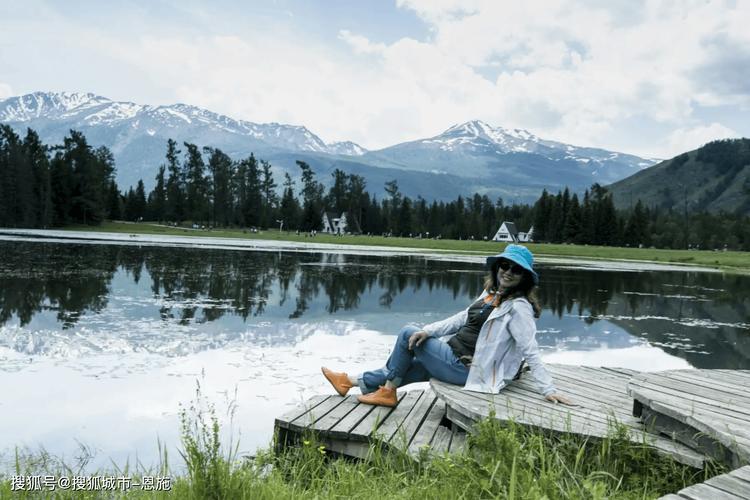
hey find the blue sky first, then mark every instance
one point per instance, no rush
(648, 77)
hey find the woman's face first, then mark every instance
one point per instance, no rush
(509, 277)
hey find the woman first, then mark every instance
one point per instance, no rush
(491, 339)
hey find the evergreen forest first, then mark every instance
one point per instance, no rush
(44, 186)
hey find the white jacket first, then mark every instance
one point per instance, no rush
(505, 340)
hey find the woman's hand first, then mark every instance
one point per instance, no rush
(557, 398)
(417, 338)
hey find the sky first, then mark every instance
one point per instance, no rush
(652, 78)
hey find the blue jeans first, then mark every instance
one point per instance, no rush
(433, 358)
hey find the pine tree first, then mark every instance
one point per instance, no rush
(220, 166)
(157, 200)
(251, 209)
(573, 231)
(289, 209)
(312, 199)
(270, 198)
(36, 157)
(114, 202)
(175, 188)
(196, 187)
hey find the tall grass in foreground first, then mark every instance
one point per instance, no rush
(502, 461)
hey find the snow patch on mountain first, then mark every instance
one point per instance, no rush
(91, 110)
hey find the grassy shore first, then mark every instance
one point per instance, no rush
(502, 461)
(738, 262)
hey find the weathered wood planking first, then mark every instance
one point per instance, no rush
(733, 485)
(706, 409)
(345, 426)
(600, 397)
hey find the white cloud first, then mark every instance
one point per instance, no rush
(687, 139)
(581, 71)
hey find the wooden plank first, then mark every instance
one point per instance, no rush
(459, 419)
(442, 441)
(698, 378)
(521, 403)
(591, 377)
(736, 404)
(702, 491)
(458, 443)
(423, 437)
(372, 420)
(410, 425)
(681, 408)
(623, 371)
(342, 429)
(742, 473)
(728, 431)
(523, 411)
(728, 378)
(704, 397)
(306, 420)
(694, 408)
(396, 419)
(617, 388)
(336, 415)
(298, 411)
(726, 482)
(531, 409)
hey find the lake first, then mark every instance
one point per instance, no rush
(100, 345)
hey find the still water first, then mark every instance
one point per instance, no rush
(101, 345)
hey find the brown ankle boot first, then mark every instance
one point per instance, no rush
(339, 381)
(385, 396)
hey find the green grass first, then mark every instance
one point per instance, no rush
(503, 460)
(738, 262)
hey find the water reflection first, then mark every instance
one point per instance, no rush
(67, 300)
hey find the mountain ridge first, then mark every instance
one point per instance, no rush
(511, 163)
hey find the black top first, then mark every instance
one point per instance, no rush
(464, 341)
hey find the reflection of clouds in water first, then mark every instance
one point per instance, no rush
(681, 297)
(139, 394)
(694, 322)
(155, 336)
(642, 357)
(695, 287)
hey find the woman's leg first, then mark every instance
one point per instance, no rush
(437, 359)
(396, 368)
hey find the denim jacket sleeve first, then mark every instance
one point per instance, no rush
(523, 330)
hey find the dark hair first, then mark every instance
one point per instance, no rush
(525, 288)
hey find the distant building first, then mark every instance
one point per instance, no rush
(527, 237)
(339, 224)
(508, 233)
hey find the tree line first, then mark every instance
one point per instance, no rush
(73, 183)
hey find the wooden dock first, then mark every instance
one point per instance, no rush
(600, 396)
(708, 410)
(686, 414)
(732, 486)
(345, 426)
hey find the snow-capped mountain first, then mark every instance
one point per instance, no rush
(84, 110)
(481, 147)
(468, 158)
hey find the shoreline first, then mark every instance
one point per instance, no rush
(269, 245)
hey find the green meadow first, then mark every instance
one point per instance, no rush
(730, 261)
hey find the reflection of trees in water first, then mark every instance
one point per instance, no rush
(44, 278)
(661, 307)
(202, 285)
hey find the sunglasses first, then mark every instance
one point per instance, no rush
(504, 265)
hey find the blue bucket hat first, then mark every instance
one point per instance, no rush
(518, 254)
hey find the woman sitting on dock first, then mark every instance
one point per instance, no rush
(491, 339)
